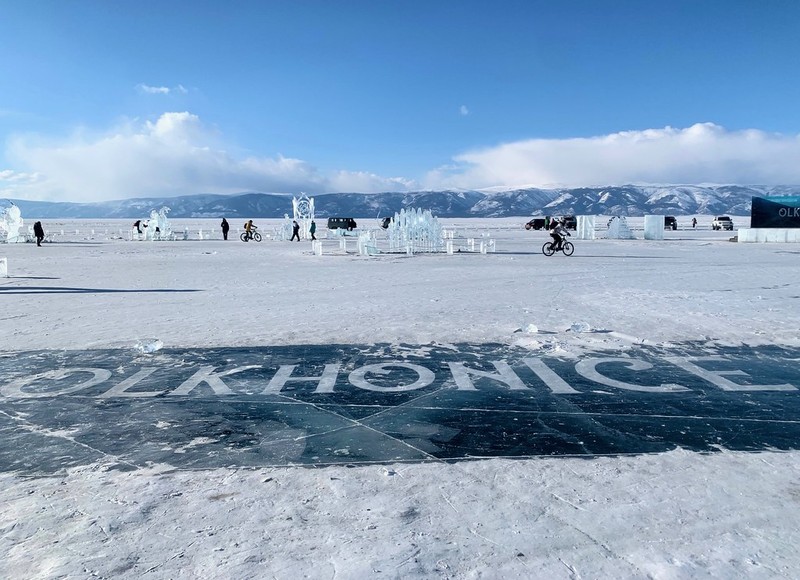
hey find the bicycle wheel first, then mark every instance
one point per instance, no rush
(257, 237)
(547, 249)
(243, 237)
(568, 248)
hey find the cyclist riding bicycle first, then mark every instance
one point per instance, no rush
(559, 233)
(249, 229)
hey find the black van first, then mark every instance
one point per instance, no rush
(336, 223)
(535, 224)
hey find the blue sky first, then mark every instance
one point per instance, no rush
(106, 100)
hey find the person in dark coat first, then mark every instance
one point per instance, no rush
(138, 225)
(38, 231)
(225, 227)
(312, 230)
(295, 231)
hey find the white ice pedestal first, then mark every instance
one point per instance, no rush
(763, 235)
(316, 247)
(654, 227)
(3, 267)
(585, 229)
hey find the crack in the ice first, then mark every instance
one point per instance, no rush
(39, 430)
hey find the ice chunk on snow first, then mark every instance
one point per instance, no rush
(148, 345)
(531, 329)
(580, 327)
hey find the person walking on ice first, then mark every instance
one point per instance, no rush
(38, 231)
(312, 230)
(295, 231)
(225, 227)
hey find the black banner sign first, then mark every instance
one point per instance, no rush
(775, 212)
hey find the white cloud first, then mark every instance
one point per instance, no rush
(174, 155)
(702, 153)
(463, 110)
(9, 176)
(151, 90)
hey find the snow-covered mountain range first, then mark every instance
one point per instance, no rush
(629, 200)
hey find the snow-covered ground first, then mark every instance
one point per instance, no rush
(673, 515)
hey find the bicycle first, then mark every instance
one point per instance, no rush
(255, 236)
(549, 248)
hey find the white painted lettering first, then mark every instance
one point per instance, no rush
(358, 378)
(326, 381)
(463, 376)
(214, 380)
(14, 388)
(718, 379)
(588, 368)
(121, 390)
(556, 384)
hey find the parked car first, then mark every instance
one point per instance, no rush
(722, 222)
(335, 223)
(670, 223)
(570, 222)
(535, 224)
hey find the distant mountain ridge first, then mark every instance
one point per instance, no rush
(628, 200)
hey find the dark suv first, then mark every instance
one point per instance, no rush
(670, 223)
(336, 223)
(535, 224)
(570, 222)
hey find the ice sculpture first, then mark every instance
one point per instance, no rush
(10, 224)
(415, 230)
(158, 228)
(284, 231)
(303, 208)
(366, 244)
(618, 229)
(654, 227)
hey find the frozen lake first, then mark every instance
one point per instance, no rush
(165, 484)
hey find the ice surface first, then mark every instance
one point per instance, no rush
(611, 517)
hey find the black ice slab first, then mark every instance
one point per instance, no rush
(203, 408)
